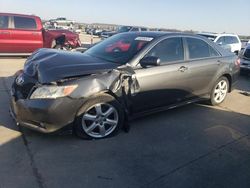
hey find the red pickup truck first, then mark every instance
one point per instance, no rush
(21, 34)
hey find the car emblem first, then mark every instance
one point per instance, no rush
(19, 80)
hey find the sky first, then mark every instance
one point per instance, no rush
(232, 16)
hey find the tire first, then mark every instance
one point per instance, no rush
(219, 91)
(99, 118)
(57, 46)
(60, 47)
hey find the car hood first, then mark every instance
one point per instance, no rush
(49, 65)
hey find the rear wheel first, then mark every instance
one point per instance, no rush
(58, 46)
(219, 92)
(100, 117)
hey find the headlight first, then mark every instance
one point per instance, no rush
(52, 92)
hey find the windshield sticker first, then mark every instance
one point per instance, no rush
(148, 39)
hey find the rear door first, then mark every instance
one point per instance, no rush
(204, 63)
(26, 37)
(5, 38)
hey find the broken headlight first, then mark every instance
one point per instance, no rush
(52, 92)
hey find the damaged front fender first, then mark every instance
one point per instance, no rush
(120, 83)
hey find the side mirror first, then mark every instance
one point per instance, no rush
(150, 61)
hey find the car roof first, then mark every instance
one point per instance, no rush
(15, 14)
(209, 34)
(217, 34)
(158, 34)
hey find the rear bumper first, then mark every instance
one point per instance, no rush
(44, 115)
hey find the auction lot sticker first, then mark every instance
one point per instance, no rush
(148, 39)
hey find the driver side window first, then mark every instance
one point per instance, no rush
(168, 50)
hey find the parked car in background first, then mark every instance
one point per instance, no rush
(89, 30)
(78, 31)
(97, 32)
(23, 34)
(227, 41)
(123, 29)
(245, 60)
(62, 23)
(95, 92)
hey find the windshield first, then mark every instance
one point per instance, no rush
(124, 29)
(247, 53)
(211, 37)
(120, 48)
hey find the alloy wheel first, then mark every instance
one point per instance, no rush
(100, 120)
(220, 91)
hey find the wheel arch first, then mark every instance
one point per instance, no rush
(101, 93)
(229, 78)
(60, 39)
(57, 40)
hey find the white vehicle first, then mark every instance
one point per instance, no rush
(228, 41)
(62, 23)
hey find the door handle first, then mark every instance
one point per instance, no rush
(183, 69)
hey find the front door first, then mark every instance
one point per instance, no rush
(165, 84)
(5, 37)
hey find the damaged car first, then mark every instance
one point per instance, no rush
(20, 35)
(128, 75)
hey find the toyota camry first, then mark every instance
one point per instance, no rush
(125, 76)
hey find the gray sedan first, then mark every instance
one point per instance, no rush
(123, 77)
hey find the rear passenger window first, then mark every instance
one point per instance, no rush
(24, 23)
(231, 40)
(213, 52)
(4, 22)
(197, 48)
(168, 50)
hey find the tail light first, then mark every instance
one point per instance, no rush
(237, 62)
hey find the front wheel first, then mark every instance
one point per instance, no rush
(100, 117)
(219, 91)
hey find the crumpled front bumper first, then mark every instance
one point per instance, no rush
(44, 115)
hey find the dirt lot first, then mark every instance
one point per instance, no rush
(193, 146)
(86, 39)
